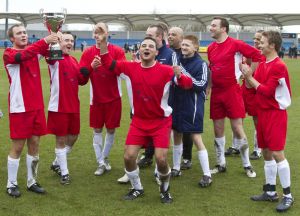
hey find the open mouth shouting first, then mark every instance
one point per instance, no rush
(146, 53)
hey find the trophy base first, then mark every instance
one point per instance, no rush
(55, 55)
(55, 58)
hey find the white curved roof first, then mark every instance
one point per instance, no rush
(131, 20)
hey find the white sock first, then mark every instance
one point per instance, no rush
(258, 150)
(177, 153)
(135, 179)
(244, 152)
(32, 167)
(220, 150)
(165, 179)
(270, 172)
(109, 141)
(55, 162)
(155, 170)
(12, 171)
(204, 162)
(61, 155)
(284, 173)
(234, 144)
(68, 149)
(288, 195)
(97, 143)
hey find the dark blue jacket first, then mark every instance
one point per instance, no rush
(188, 105)
(166, 55)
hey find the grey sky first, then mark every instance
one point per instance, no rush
(158, 6)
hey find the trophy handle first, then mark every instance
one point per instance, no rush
(64, 11)
(41, 12)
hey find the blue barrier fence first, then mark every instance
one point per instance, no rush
(121, 42)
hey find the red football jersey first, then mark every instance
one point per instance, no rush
(274, 91)
(224, 59)
(150, 89)
(105, 86)
(64, 79)
(23, 70)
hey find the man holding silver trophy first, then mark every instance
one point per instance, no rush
(26, 107)
(64, 102)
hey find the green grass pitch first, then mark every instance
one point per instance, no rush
(91, 195)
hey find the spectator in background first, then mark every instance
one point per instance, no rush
(5, 44)
(290, 52)
(294, 51)
(135, 49)
(281, 52)
(126, 47)
(33, 39)
(74, 45)
(83, 45)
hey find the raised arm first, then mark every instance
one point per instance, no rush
(250, 53)
(13, 56)
(107, 61)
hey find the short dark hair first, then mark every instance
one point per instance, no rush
(69, 32)
(150, 38)
(10, 32)
(273, 37)
(224, 23)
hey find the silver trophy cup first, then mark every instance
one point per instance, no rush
(53, 22)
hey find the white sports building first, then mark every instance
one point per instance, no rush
(131, 28)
